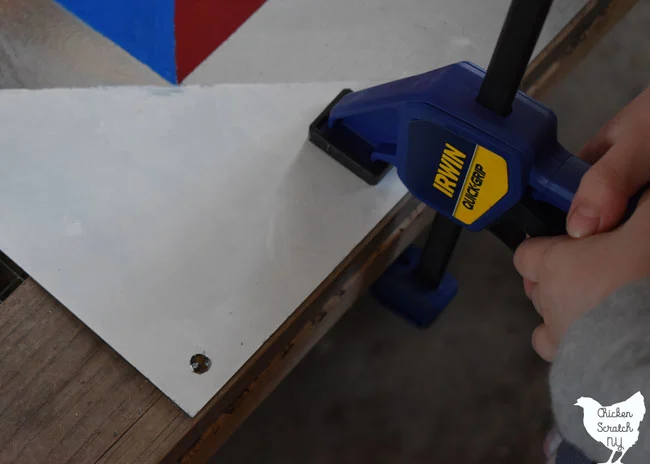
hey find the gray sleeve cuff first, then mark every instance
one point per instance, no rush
(605, 355)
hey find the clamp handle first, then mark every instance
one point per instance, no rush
(542, 212)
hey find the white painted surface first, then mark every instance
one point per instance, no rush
(177, 223)
(329, 40)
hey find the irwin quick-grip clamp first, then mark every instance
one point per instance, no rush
(466, 143)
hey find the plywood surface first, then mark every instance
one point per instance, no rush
(41, 45)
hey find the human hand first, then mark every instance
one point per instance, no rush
(565, 277)
(620, 158)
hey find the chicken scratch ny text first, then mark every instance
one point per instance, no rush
(615, 428)
(603, 412)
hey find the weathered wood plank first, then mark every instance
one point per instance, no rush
(157, 430)
(65, 396)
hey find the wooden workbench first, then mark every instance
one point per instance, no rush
(66, 396)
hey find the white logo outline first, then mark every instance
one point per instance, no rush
(615, 426)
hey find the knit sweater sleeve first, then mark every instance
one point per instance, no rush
(605, 356)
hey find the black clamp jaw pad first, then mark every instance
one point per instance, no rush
(346, 147)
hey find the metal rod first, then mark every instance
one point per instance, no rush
(437, 251)
(503, 76)
(512, 53)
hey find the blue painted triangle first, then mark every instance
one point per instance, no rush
(143, 28)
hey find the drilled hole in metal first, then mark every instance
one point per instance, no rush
(200, 363)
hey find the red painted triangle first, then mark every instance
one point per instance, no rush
(203, 25)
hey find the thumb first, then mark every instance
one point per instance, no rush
(606, 188)
(543, 344)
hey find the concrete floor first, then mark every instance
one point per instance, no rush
(469, 389)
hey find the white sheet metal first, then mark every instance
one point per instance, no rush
(179, 222)
(175, 223)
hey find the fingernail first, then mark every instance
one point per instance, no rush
(582, 222)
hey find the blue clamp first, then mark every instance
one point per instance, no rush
(399, 290)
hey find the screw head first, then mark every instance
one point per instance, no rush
(200, 363)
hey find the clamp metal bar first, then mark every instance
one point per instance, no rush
(503, 76)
